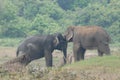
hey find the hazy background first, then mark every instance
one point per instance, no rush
(22, 18)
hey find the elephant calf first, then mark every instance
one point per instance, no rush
(87, 37)
(39, 46)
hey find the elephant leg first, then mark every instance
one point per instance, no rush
(23, 59)
(82, 53)
(76, 50)
(100, 53)
(48, 58)
(65, 56)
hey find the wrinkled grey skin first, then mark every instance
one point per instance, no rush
(39, 46)
(87, 37)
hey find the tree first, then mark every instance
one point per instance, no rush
(18, 27)
(72, 4)
(44, 25)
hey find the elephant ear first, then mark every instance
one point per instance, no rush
(56, 41)
(69, 34)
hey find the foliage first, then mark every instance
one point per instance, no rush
(43, 24)
(72, 4)
(21, 18)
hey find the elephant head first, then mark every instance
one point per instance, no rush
(69, 34)
(61, 44)
(60, 41)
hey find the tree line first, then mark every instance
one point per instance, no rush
(21, 18)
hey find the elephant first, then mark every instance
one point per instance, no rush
(87, 37)
(39, 46)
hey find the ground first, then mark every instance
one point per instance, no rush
(92, 68)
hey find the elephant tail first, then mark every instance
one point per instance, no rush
(109, 39)
(106, 36)
(17, 52)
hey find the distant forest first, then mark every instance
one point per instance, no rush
(21, 18)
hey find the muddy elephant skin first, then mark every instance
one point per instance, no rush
(39, 46)
(87, 37)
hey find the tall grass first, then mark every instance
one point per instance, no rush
(10, 42)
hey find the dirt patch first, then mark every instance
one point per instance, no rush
(7, 52)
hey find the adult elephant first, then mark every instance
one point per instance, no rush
(39, 46)
(87, 37)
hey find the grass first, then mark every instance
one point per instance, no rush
(105, 60)
(10, 42)
(95, 68)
